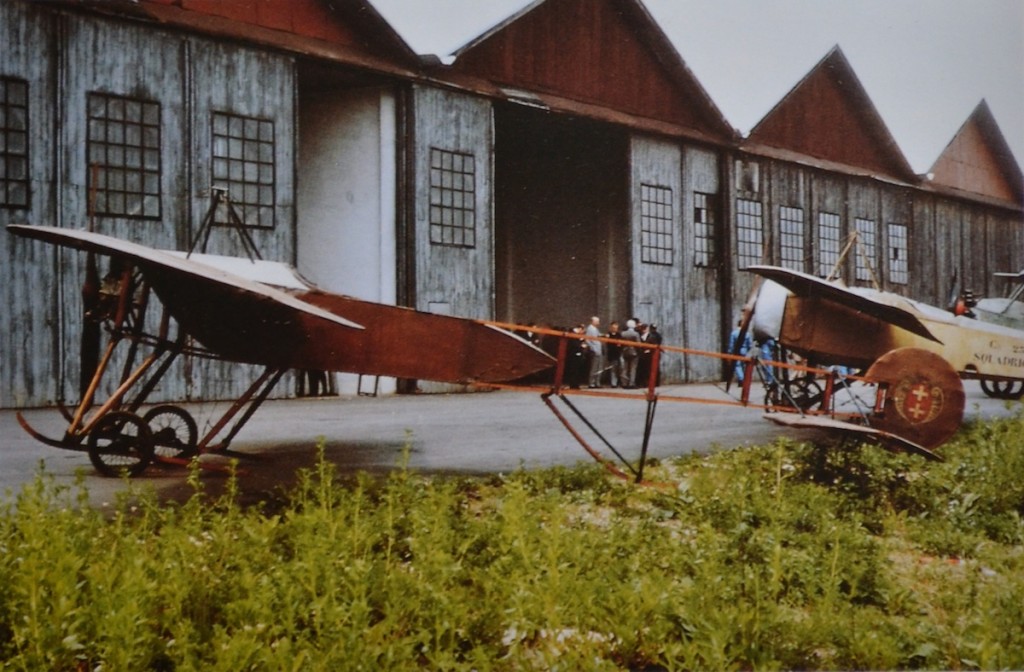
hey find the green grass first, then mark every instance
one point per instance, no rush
(786, 556)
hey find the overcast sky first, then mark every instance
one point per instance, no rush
(925, 64)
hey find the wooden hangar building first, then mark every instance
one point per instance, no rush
(567, 163)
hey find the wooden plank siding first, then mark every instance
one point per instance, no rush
(65, 57)
(702, 283)
(658, 289)
(452, 276)
(29, 359)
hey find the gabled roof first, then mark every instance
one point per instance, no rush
(978, 160)
(346, 31)
(828, 116)
(591, 55)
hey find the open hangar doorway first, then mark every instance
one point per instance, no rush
(562, 238)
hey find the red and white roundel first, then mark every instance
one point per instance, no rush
(918, 402)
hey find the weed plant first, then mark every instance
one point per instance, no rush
(787, 556)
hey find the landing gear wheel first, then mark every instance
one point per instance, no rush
(924, 398)
(1003, 389)
(120, 444)
(175, 433)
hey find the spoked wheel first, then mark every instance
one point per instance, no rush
(175, 433)
(121, 444)
(803, 393)
(1003, 389)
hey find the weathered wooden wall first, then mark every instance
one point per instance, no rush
(29, 349)
(65, 56)
(452, 279)
(658, 292)
(702, 285)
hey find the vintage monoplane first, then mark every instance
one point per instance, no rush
(263, 313)
(247, 311)
(927, 349)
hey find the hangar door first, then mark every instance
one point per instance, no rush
(561, 218)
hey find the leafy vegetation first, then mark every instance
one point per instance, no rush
(779, 557)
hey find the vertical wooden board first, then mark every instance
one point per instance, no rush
(947, 246)
(453, 279)
(254, 85)
(976, 244)
(928, 281)
(787, 188)
(457, 276)
(747, 181)
(864, 202)
(28, 306)
(658, 287)
(702, 285)
(828, 196)
(132, 61)
(896, 208)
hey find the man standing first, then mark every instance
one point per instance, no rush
(596, 360)
(613, 355)
(629, 355)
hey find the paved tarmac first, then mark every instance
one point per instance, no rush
(484, 432)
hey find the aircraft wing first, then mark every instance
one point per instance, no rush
(155, 260)
(805, 285)
(262, 313)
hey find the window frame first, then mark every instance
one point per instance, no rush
(452, 198)
(899, 241)
(829, 246)
(792, 238)
(866, 257)
(657, 225)
(749, 249)
(124, 156)
(243, 160)
(14, 145)
(705, 229)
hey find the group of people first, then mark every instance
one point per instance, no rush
(614, 364)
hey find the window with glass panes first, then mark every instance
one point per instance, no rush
(13, 143)
(657, 241)
(243, 163)
(899, 251)
(123, 153)
(452, 198)
(829, 233)
(749, 232)
(705, 229)
(867, 234)
(791, 237)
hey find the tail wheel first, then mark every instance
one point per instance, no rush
(1003, 389)
(120, 444)
(175, 433)
(924, 397)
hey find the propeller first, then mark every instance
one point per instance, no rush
(744, 328)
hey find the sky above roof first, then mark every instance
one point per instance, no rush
(925, 64)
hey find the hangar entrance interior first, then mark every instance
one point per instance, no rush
(562, 225)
